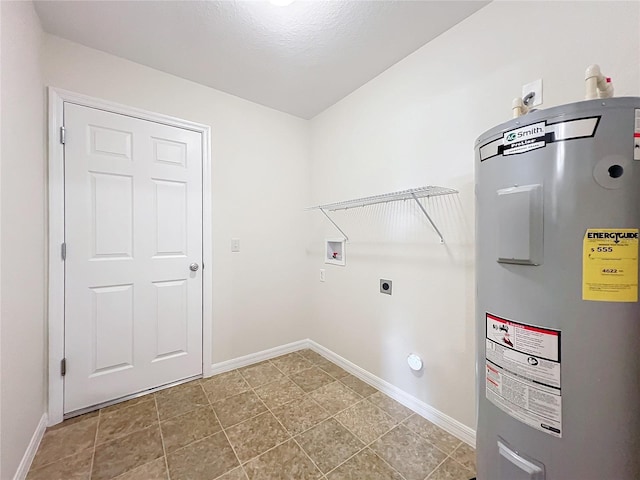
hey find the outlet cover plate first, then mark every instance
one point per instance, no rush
(386, 286)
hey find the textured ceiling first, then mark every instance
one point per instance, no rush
(299, 59)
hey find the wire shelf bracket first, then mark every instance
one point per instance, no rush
(324, 211)
(411, 194)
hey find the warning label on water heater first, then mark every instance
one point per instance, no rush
(523, 373)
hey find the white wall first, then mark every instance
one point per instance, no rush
(260, 170)
(22, 223)
(0, 240)
(414, 125)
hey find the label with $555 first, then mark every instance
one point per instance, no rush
(610, 265)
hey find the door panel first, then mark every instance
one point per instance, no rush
(172, 324)
(169, 151)
(110, 142)
(111, 215)
(111, 328)
(170, 209)
(133, 224)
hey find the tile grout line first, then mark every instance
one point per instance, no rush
(307, 394)
(164, 450)
(186, 411)
(419, 435)
(100, 415)
(292, 437)
(121, 437)
(222, 430)
(225, 434)
(282, 405)
(368, 446)
(425, 438)
(400, 422)
(428, 440)
(436, 468)
(450, 457)
(394, 469)
(95, 444)
(322, 474)
(31, 469)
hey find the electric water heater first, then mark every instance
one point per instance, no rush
(558, 319)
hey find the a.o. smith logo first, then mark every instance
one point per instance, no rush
(525, 133)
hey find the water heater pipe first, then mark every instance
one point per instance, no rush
(518, 107)
(597, 85)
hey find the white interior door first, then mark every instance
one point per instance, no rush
(133, 227)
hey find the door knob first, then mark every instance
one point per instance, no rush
(194, 267)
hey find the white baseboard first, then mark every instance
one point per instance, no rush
(448, 424)
(257, 357)
(30, 453)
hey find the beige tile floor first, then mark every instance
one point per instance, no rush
(296, 417)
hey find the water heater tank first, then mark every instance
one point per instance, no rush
(558, 319)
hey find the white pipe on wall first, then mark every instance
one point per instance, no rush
(596, 84)
(518, 107)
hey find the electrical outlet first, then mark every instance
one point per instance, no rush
(534, 87)
(322, 274)
(235, 244)
(386, 286)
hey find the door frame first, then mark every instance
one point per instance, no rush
(56, 275)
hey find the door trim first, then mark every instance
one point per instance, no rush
(57, 97)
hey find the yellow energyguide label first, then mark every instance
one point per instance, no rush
(610, 265)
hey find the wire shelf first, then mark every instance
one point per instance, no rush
(411, 194)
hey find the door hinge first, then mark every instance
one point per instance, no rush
(63, 367)
(62, 135)
(63, 251)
